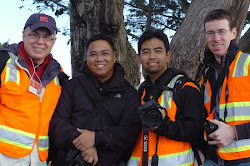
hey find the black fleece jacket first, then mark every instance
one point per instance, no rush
(113, 142)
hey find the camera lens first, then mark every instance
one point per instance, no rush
(153, 118)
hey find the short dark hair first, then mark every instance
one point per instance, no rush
(219, 14)
(153, 33)
(99, 37)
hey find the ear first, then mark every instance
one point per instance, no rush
(23, 34)
(114, 54)
(168, 56)
(138, 58)
(234, 33)
(205, 35)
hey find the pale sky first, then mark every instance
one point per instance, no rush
(12, 22)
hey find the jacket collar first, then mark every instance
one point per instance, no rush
(116, 83)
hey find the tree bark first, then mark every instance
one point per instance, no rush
(188, 44)
(244, 43)
(90, 17)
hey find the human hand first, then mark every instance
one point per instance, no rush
(84, 141)
(90, 155)
(223, 136)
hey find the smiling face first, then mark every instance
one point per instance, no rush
(38, 49)
(101, 59)
(218, 36)
(153, 57)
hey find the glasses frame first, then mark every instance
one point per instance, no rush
(36, 36)
(220, 32)
(104, 54)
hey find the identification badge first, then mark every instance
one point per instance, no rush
(35, 87)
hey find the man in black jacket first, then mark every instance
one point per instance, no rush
(103, 141)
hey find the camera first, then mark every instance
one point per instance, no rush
(210, 128)
(74, 158)
(150, 114)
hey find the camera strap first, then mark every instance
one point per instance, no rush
(145, 147)
(155, 157)
(218, 83)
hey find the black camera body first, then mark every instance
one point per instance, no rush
(210, 128)
(150, 114)
(74, 158)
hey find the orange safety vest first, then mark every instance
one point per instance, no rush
(170, 152)
(24, 116)
(238, 104)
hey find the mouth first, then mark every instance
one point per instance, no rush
(100, 66)
(152, 63)
(218, 45)
(38, 49)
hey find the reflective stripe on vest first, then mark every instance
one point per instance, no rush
(206, 95)
(236, 111)
(43, 143)
(12, 73)
(241, 66)
(16, 137)
(185, 158)
(167, 95)
(56, 80)
(236, 146)
(133, 161)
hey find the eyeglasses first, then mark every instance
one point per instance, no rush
(35, 36)
(102, 54)
(221, 33)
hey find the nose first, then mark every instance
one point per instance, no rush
(216, 36)
(151, 55)
(40, 40)
(99, 57)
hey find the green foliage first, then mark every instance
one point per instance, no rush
(161, 14)
(4, 44)
(59, 7)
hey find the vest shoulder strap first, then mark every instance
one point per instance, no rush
(177, 89)
(140, 88)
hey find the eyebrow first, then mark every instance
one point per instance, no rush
(145, 49)
(46, 34)
(158, 48)
(100, 51)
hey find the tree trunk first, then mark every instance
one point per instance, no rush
(188, 44)
(101, 16)
(244, 43)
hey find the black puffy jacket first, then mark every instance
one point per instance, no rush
(113, 142)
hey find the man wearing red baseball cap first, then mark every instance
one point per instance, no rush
(29, 91)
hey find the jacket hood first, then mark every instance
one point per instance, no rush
(11, 48)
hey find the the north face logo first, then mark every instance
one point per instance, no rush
(44, 18)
